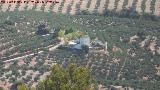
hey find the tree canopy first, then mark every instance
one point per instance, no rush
(71, 78)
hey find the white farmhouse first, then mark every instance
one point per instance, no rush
(84, 40)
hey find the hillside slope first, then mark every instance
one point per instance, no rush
(92, 6)
(133, 46)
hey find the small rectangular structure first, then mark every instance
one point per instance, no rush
(84, 40)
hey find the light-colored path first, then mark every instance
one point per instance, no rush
(73, 7)
(65, 7)
(120, 72)
(148, 6)
(130, 2)
(111, 4)
(101, 7)
(18, 58)
(120, 5)
(139, 6)
(92, 5)
(53, 48)
(83, 6)
(157, 8)
(57, 5)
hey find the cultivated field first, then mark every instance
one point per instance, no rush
(88, 5)
(133, 46)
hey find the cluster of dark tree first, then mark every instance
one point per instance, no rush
(42, 30)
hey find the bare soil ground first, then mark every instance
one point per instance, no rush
(138, 6)
(148, 6)
(157, 8)
(130, 2)
(111, 4)
(120, 4)
(92, 6)
(101, 8)
(73, 7)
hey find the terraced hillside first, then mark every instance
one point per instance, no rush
(133, 46)
(93, 6)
